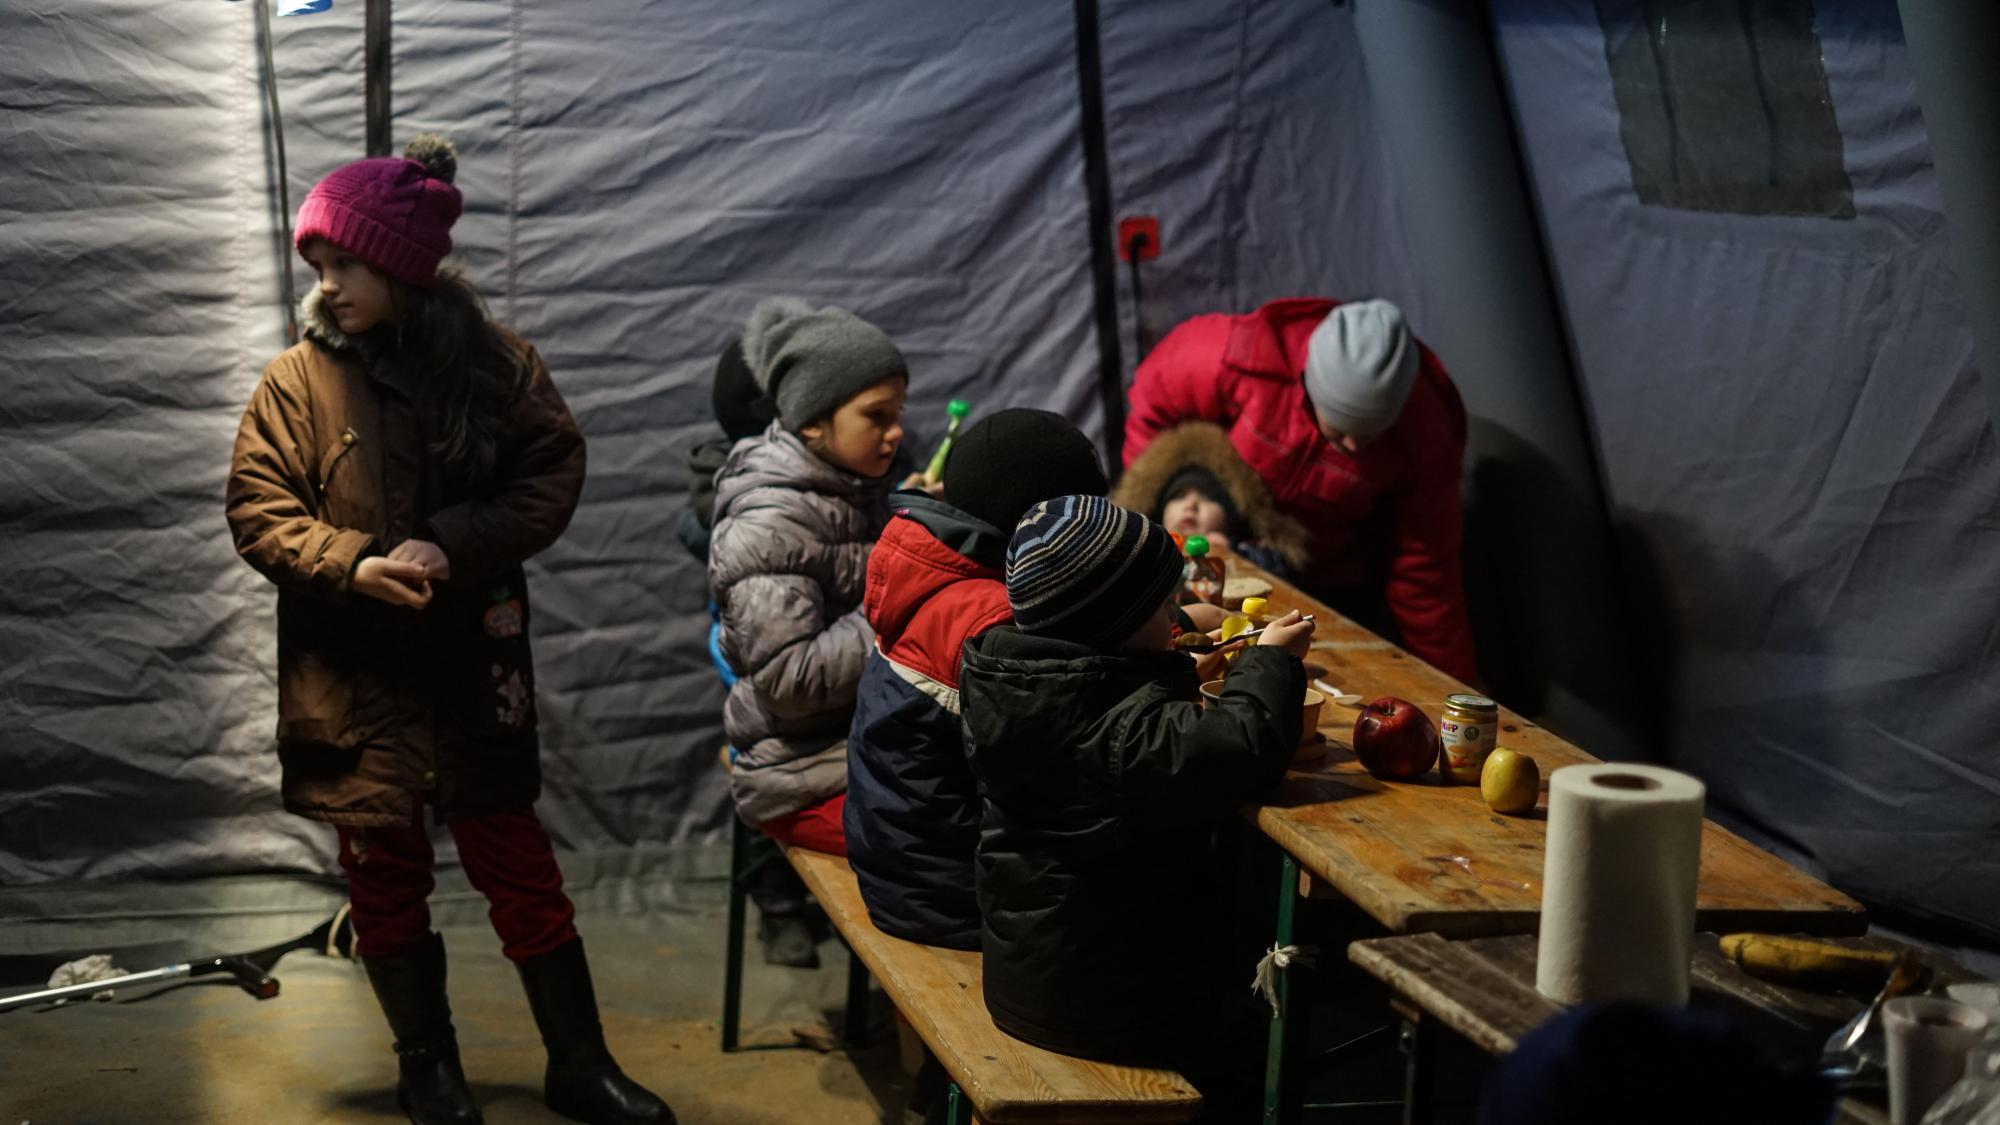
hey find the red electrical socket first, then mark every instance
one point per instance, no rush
(1146, 227)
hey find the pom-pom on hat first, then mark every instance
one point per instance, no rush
(393, 212)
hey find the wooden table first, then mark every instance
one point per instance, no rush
(1484, 990)
(1426, 857)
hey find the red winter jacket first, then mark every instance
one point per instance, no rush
(1390, 514)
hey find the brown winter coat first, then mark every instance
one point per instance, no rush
(378, 704)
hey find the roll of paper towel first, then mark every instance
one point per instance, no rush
(1618, 884)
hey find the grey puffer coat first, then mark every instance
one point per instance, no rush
(786, 566)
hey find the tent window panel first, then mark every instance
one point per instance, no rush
(1723, 106)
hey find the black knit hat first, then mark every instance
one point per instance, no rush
(739, 404)
(1012, 459)
(1081, 568)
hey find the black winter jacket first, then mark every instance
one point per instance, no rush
(1103, 781)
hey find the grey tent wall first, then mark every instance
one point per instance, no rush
(635, 179)
(1540, 567)
(1804, 480)
(1953, 47)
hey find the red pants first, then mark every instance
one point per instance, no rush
(816, 826)
(508, 858)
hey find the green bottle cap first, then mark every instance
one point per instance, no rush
(1197, 546)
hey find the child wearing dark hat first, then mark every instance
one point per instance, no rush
(797, 511)
(1192, 480)
(936, 580)
(1103, 781)
(742, 411)
(392, 473)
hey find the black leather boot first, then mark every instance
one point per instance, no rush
(583, 1081)
(430, 1085)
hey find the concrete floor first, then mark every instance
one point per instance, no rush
(319, 1052)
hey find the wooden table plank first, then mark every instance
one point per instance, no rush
(940, 992)
(1429, 857)
(1483, 989)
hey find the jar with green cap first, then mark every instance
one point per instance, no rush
(1204, 574)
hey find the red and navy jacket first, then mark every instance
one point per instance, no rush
(912, 819)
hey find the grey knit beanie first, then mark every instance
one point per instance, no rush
(1360, 365)
(808, 361)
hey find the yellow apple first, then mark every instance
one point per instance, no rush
(1511, 782)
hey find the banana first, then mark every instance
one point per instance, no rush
(1806, 963)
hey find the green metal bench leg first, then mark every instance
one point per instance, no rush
(732, 956)
(957, 1107)
(1283, 1077)
(856, 1017)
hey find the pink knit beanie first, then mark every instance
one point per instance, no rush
(393, 212)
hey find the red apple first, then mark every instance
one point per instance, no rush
(1395, 739)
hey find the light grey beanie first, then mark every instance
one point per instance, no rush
(808, 361)
(1360, 365)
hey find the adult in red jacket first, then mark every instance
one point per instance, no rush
(1359, 433)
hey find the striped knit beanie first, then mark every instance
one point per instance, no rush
(393, 212)
(1082, 569)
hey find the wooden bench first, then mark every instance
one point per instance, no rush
(1003, 1079)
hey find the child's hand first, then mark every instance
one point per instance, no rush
(1289, 633)
(395, 581)
(919, 480)
(425, 554)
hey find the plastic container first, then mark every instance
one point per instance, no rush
(1928, 1039)
(1204, 574)
(955, 412)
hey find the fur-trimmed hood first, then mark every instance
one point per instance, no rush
(1206, 445)
(317, 325)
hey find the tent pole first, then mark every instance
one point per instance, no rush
(1952, 46)
(375, 65)
(1442, 111)
(1103, 254)
(289, 286)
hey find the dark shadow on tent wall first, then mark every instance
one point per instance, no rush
(1553, 640)
(1952, 46)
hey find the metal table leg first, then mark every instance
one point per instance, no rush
(957, 1107)
(1420, 1046)
(1283, 1070)
(856, 1016)
(740, 867)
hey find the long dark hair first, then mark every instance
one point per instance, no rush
(468, 374)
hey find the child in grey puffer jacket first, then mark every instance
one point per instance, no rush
(797, 511)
